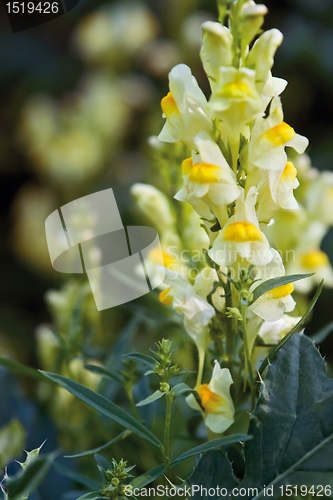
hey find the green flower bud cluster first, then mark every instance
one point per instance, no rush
(117, 478)
(163, 367)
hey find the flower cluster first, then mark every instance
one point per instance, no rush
(240, 180)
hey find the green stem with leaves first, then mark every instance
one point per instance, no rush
(169, 399)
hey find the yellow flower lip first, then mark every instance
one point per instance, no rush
(314, 259)
(236, 90)
(187, 166)
(289, 173)
(242, 232)
(161, 258)
(204, 173)
(280, 134)
(165, 298)
(169, 105)
(210, 401)
(280, 291)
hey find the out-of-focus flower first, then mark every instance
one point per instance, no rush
(218, 407)
(159, 56)
(30, 209)
(309, 258)
(78, 135)
(113, 33)
(319, 198)
(154, 205)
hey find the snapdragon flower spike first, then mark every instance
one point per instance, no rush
(272, 305)
(184, 108)
(269, 138)
(208, 177)
(241, 238)
(216, 403)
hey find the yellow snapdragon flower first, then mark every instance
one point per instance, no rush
(208, 177)
(272, 305)
(241, 237)
(216, 403)
(184, 108)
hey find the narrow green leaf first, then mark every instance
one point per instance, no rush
(268, 285)
(76, 476)
(210, 445)
(151, 399)
(93, 495)
(296, 328)
(322, 334)
(121, 436)
(100, 370)
(26, 482)
(143, 358)
(20, 369)
(181, 388)
(148, 477)
(105, 406)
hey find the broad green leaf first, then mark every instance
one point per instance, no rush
(26, 481)
(151, 398)
(210, 445)
(292, 424)
(212, 470)
(93, 495)
(322, 334)
(143, 358)
(296, 328)
(121, 436)
(76, 476)
(100, 370)
(268, 285)
(292, 428)
(182, 388)
(20, 369)
(105, 406)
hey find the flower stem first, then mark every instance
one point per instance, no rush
(169, 398)
(248, 357)
(201, 367)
